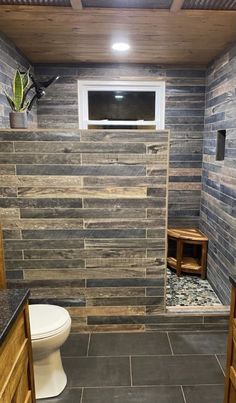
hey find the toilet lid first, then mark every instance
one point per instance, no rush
(47, 320)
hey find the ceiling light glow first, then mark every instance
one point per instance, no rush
(121, 46)
(119, 96)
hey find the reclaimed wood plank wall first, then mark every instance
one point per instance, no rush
(185, 102)
(218, 202)
(10, 60)
(84, 221)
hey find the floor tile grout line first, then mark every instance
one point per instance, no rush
(145, 386)
(168, 337)
(82, 395)
(217, 359)
(143, 355)
(130, 370)
(182, 390)
(88, 345)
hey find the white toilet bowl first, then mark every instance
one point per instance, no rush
(50, 326)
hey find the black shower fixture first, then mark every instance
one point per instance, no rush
(39, 88)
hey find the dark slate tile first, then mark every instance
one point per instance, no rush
(43, 244)
(67, 396)
(199, 343)
(204, 393)
(67, 302)
(125, 282)
(159, 394)
(97, 371)
(97, 233)
(158, 320)
(81, 213)
(40, 203)
(126, 301)
(176, 370)
(47, 135)
(14, 274)
(124, 203)
(90, 170)
(44, 264)
(75, 345)
(113, 344)
(222, 361)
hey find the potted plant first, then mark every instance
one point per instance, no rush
(18, 102)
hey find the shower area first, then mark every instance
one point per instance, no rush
(85, 212)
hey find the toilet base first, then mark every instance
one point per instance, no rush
(50, 378)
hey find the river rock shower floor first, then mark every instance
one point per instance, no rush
(189, 290)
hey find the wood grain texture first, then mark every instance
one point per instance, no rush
(59, 34)
(16, 365)
(185, 98)
(76, 4)
(176, 5)
(87, 245)
(2, 263)
(218, 201)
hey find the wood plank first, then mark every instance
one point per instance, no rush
(51, 34)
(176, 5)
(76, 4)
(2, 265)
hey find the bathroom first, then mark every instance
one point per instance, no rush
(85, 205)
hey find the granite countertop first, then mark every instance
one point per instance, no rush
(11, 302)
(233, 280)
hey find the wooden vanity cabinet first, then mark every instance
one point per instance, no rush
(16, 366)
(230, 379)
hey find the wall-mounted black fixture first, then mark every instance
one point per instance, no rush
(39, 88)
(220, 145)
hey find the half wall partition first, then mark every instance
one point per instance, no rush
(84, 217)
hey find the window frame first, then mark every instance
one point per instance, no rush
(84, 86)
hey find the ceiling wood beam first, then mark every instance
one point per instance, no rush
(176, 5)
(76, 4)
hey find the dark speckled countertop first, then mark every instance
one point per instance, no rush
(11, 302)
(233, 280)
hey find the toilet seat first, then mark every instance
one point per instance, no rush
(47, 320)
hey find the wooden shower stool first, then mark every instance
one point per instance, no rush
(184, 264)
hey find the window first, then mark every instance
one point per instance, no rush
(121, 105)
(220, 145)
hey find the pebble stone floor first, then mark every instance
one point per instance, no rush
(188, 290)
(157, 367)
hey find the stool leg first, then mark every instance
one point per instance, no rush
(179, 256)
(195, 251)
(204, 260)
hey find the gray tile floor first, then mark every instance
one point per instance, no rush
(160, 367)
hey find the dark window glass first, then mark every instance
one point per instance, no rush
(220, 145)
(121, 105)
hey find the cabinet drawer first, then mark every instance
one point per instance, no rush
(17, 388)
(12, 350)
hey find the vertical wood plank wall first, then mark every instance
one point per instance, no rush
(84, 221)
(218, 202)
(185, 102)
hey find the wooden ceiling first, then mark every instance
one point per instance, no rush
(176, 32)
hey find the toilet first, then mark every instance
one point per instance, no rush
(50, 326)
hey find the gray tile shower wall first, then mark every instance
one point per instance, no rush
(218, 202)
(185, 102)
(84, 221)
(10, 60)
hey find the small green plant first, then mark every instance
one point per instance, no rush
(17, 101)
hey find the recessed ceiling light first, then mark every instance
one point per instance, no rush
(120, 46)
(119, 96)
